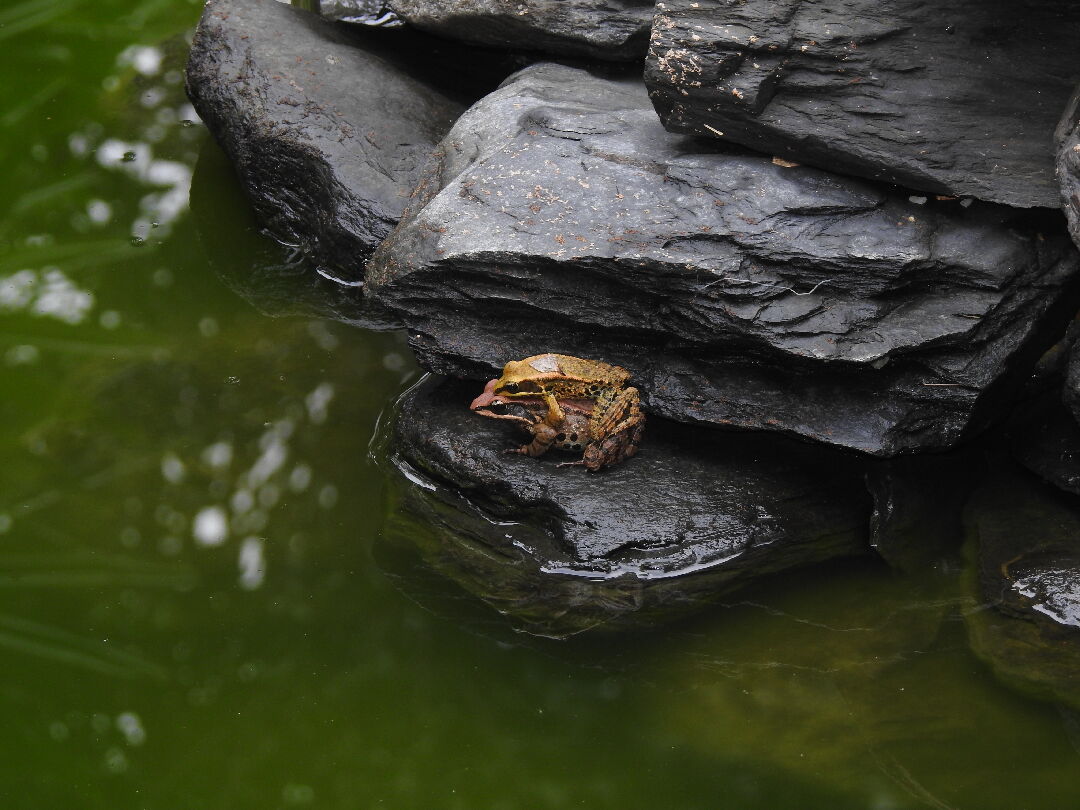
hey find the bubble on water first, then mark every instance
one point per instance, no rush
(170, 545)
(59, 731)
(318, 402)
(152, 97)
(22, 355)
(109, 319)
(232, 380)
(172, 468)
(5, 522)
(208, 327)
(129, 724)
(78, 144)
(242, 501)
(116, 760)
(130, 537)
(162, 277)
(146, 59)
(99, 211)
(211, 526)
(252, 563)
(328, 496)
(269, 462)
(218, 455)
(300, 478)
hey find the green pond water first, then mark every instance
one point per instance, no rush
(200, 606)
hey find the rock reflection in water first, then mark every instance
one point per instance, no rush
(862, 679)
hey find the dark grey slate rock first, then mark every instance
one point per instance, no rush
(560, 216)
(1068, 163)
(328, 131)
(1071, 390)
(955, 98)
(1046, 439)
(277, 280)
(687, 519)
(600, 29)
(1025, 565)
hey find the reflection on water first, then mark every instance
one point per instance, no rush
(195, 610)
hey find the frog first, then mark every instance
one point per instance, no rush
(559, 390)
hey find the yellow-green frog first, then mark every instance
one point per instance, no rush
(569, 403)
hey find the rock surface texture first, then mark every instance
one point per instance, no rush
(359, 12)
(327, 131)
(955, 98)
(560, 216)
(718, 513)
(600, 29)
(1068, 163)
(1071, 392)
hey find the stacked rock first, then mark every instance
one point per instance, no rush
(836, 222)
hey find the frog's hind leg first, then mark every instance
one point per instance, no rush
(616, 429)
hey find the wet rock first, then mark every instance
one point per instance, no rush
(599, 29)
(277, 280)
(1071, 390)
(1046, 440)
(563, 550)
(560, 216)
(359, 12)
(1026, 566)
(1068, 163)
(327, 128)
(960, 99)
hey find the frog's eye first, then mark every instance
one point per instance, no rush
(511, 388)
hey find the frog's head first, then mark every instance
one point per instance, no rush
(529, 377)
(495, 406)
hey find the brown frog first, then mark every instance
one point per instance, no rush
(569, 403)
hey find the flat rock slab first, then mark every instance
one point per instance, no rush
(327, 129)
(954, 98)
(687, 519)
(598, 29)
(1026, 566)
(560, 216)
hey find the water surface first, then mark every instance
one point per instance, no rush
(202, 603)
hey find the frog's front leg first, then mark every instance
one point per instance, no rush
(543, 437)
(555, 415)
